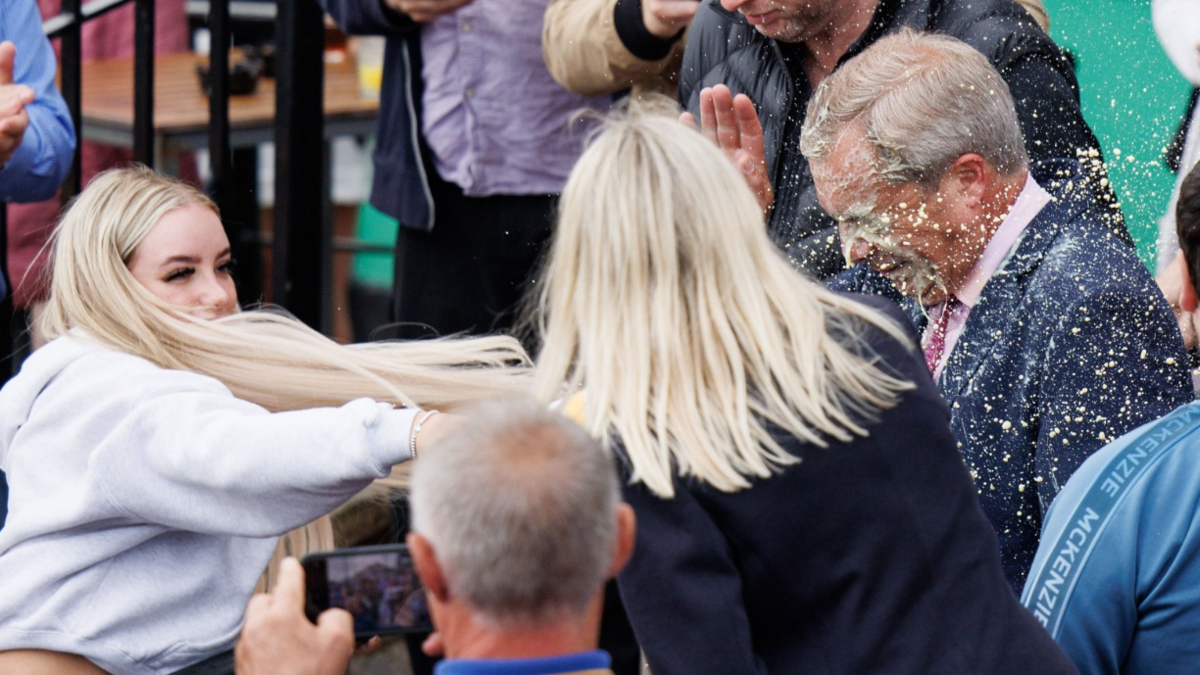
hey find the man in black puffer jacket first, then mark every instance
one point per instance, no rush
(778, 51)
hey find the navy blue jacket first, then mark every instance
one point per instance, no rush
(402, 160)
(1069, 346)
(866, 557)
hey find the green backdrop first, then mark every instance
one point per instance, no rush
(1132, 97)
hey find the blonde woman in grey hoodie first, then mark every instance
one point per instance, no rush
(163, 441)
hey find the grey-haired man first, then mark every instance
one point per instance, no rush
(517, 525)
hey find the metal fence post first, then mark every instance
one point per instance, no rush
(70, 82)
(143, 83)
(219, 156)
(301, 252)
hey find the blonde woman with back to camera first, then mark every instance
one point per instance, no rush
(801, 505)
(162, 441)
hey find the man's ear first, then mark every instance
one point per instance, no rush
(970, 175)
(1187, 294)
(425, 560)
(626, 536)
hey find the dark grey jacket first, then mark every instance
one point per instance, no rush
(402, 160)
(723, 48)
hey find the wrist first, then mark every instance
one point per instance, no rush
(630, 24)
(657, 27)
(420, 423)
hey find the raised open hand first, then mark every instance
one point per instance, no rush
(732, 123)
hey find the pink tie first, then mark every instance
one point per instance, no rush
(937, 340)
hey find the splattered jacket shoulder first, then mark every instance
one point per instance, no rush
(1069, 346)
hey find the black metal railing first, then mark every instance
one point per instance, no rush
(220, 161)
(301, 260)
(68, 26)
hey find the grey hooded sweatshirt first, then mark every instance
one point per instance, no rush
(145, 503)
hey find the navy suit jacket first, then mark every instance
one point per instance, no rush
(1070, 345)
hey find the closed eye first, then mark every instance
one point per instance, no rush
(180, 273)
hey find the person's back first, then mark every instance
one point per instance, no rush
(871, 556)
(802, 505)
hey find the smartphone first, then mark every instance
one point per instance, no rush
(378, 585)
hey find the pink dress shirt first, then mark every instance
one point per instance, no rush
(1029, 203)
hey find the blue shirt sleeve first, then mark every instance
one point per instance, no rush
(41, 162)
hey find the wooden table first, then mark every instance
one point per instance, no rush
(181, 107)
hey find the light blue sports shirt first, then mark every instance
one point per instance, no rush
(1116, 579)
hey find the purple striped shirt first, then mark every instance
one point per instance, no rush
(497, 123)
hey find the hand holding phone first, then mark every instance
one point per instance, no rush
(377, 585)
(277, 638)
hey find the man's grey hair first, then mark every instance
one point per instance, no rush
(923, 101)
(520, 506)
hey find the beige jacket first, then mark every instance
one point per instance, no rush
(585, 55)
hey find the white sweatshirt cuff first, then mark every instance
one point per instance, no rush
(388, 431)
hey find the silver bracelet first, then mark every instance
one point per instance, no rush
(416, 429)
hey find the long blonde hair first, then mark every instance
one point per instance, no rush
(264, 357)
(665, 299)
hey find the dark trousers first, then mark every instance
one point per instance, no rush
(469, 274)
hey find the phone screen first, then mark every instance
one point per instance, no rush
(376, 584)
